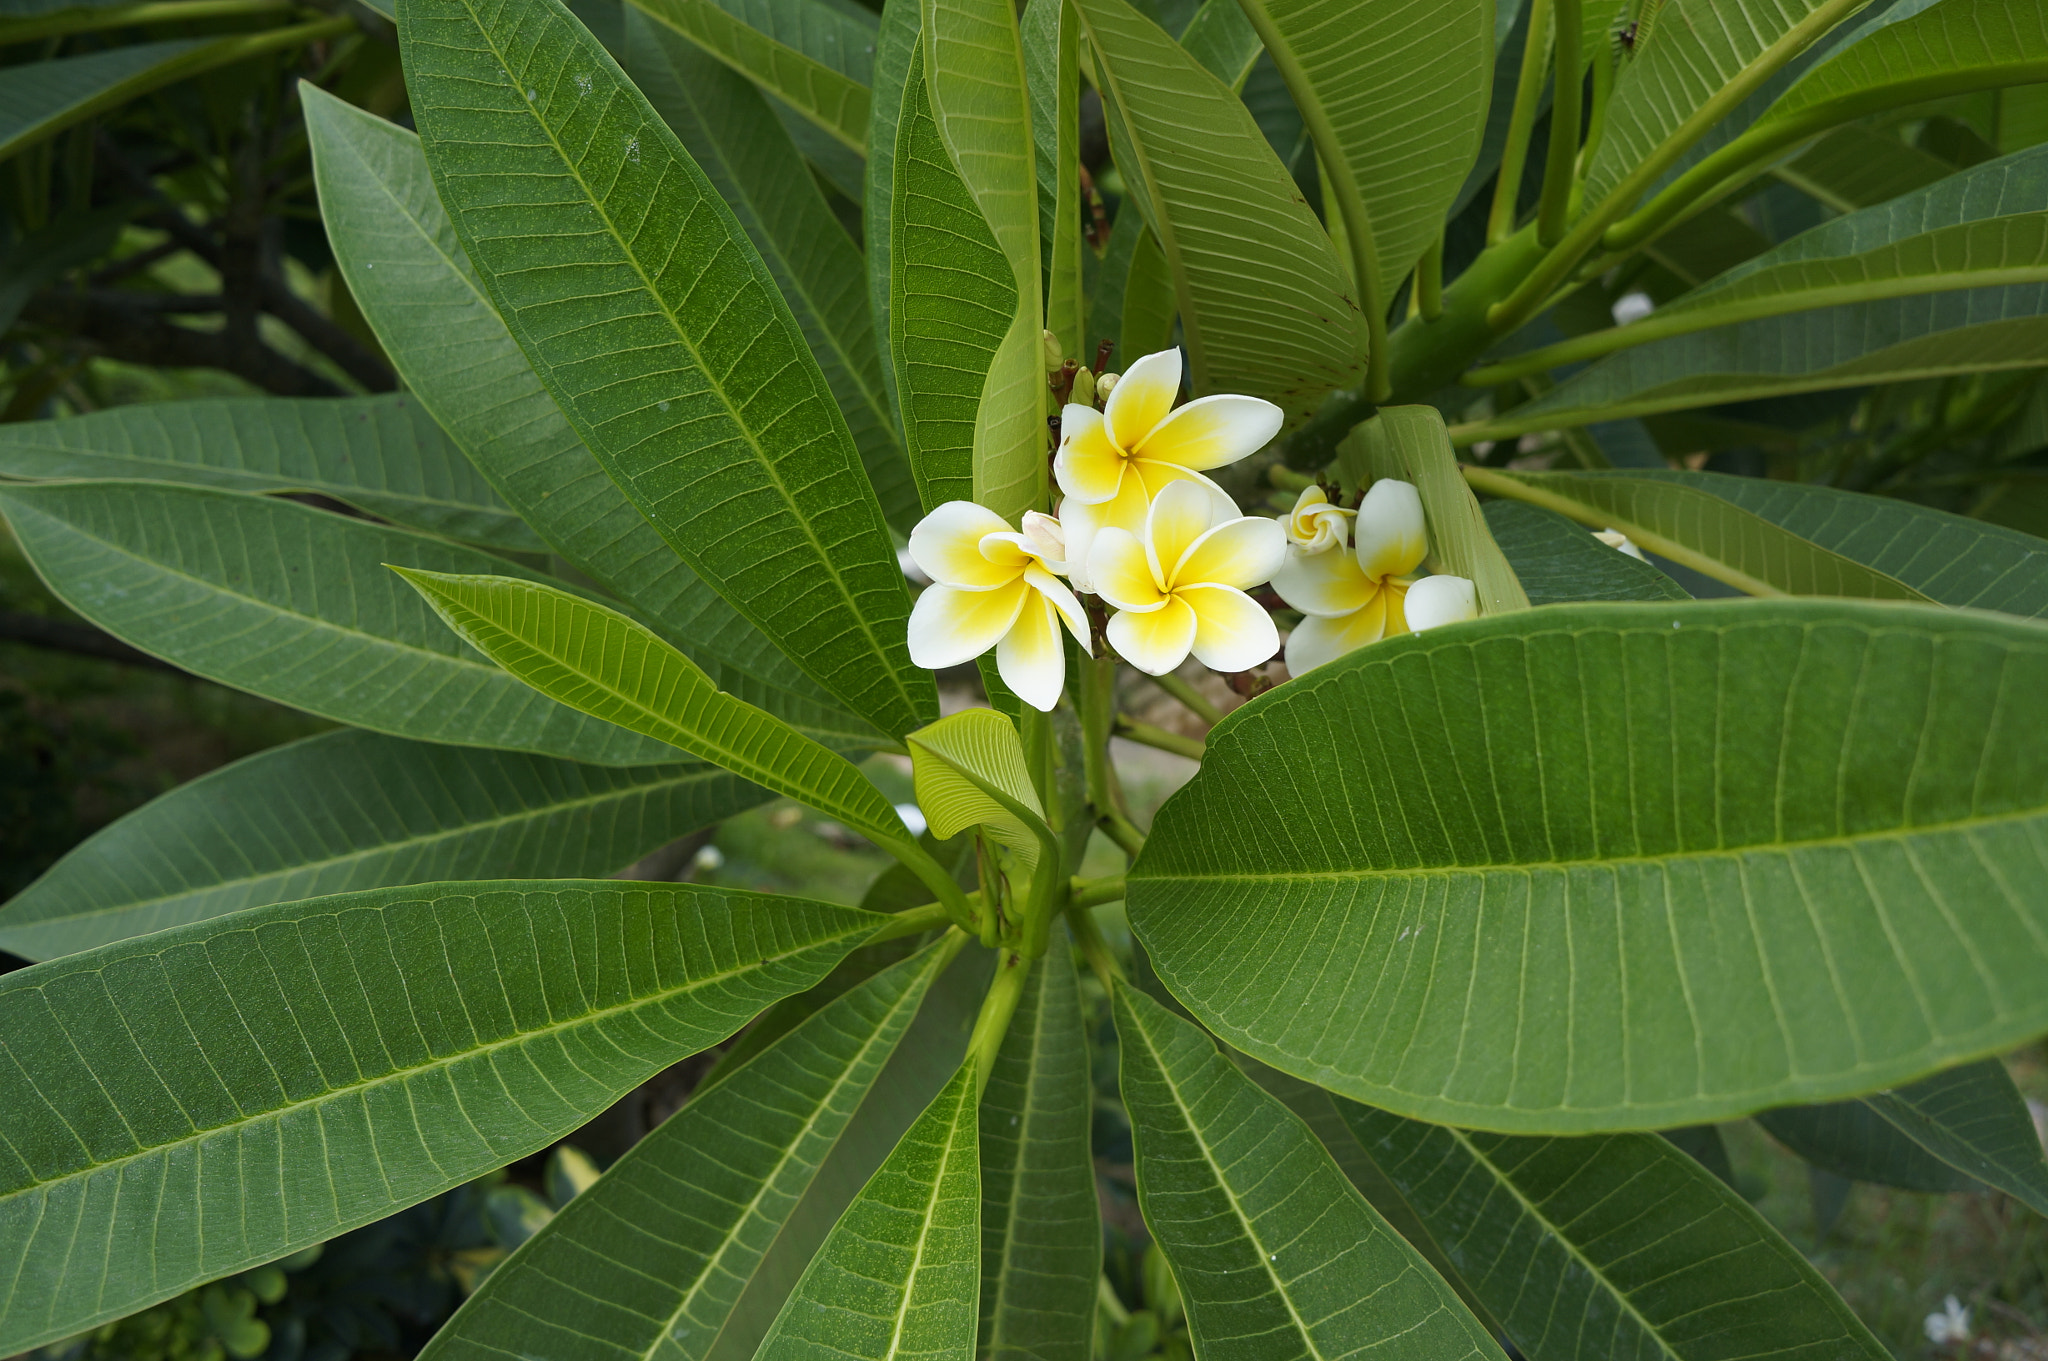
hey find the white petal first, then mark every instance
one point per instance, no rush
(1121, 572)
(1082, 521)
(1316, 642)
(1389, 530)
(1155, 643)
(1089, 466)
(1141, 398)
(1231, 632)
(1240, 553)
(1316, 526)
(1043, 535)
(948, 627)
(1331, 585)
(1180, 514)
(1030, 658)
(1614, 538)
(1210, 432)
(1440, 600)
(1063, 600)
(947, 545)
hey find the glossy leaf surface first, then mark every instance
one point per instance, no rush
(354, 810)
(815, 57)
(1836, 884)
(1556, 561)
(207, 1099)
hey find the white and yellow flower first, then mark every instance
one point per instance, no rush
(1179, 585)
(1351, 599)
(995, 587)
(1315, 525)
(1113, 462)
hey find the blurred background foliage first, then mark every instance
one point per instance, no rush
(159, 240)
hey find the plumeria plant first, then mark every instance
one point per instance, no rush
(761, 361)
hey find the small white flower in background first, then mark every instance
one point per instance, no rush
(1614, 538)
(1316, 526)
(1630, 308)
(1113, 462)
(1952, 1324)
(913, 818)
(994, 587)
(707, 859)
(1180, 586)
(1351, 599)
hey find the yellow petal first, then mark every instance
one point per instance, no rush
(1180, 514)
(948, 626)
(1330, 585)
(1082, 522)
(1231, 632)
(1030, 658)
(1389, 530)
(1121, 573)
(1089, 467)
(947, 545)
(1158, 642)
(1210, 432)
(1063, 600)
(1008, 549)
(1317, 641)
(1240, 553)
(1316, 526)
(1141, 398)
(1440, 600)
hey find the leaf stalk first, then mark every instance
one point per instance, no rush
(1553, 212)
(997, 1007)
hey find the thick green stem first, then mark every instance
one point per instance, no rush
(1147, 735)
(1500, 222)
(1095, 892)
(1189, 696)
(951, 897)
(914, 921)
(1429, 282)
(1427, 356)
(1596, 120)
(1094, 948)
(1012, 970)
(1561, 161)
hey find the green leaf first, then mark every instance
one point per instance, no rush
(897, 1276)
(816, 58)
(1835, 886)
(970, 771)
(1556, 561)
(652, 1259)
(599, 662)
(1130, 290)
(1619, 1245)
(734, 137)
(1041, 1230)
(384, 455)
(398, 251)
(952, 299)
(354, 810)
(1052, 68)
(896, 52)
(1275, 1253)
(44, 255)
(1261, 296)
(1409, 443)
(974, 78)
(189, 1104)
(662, 337)
(1223, 40)
(297, 605)
(1857, 167)
(39, 99)
(1851, 1140)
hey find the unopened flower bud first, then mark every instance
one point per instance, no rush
(1055, 357)
(1083, 391)
(1105, 385)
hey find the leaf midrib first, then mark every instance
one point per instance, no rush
(766, 465)
(333, 1094)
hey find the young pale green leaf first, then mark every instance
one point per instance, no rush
(381, 454)
(898, 1274)
(1041, 1229)
(974, 78)
(353, 810)
(599, 662)
(1275, 1253)
(817, 58)
(661, 336)
(1052, 69)
(952, 299)
(203, 1100)
(1409, 443)
(970, 771)
(895, 52)
(1615, 1246)
(397, 249)
(294, 604)
(1556, 561)
(650, 1261)
(1262, 300)
(1835, 887)
(736, 140)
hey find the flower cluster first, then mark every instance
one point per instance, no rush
(1143, 529)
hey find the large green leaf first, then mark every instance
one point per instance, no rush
(896, 53)
(384, 455)
(1041, 1231)
(405, 268)
(1262, 300)
(188, 1104)
(1556, 561)
(1275, 1253)
(1851, 1140)
(650, 1261)
(815, 57)
(1610, 1247)
(599, 662)
(661, 336)
(1052, 46)
(1621, 865)
(729, 130)
(354, 810)
(897, 1275)
(39, 99)
(297, 605)
(952, 298)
